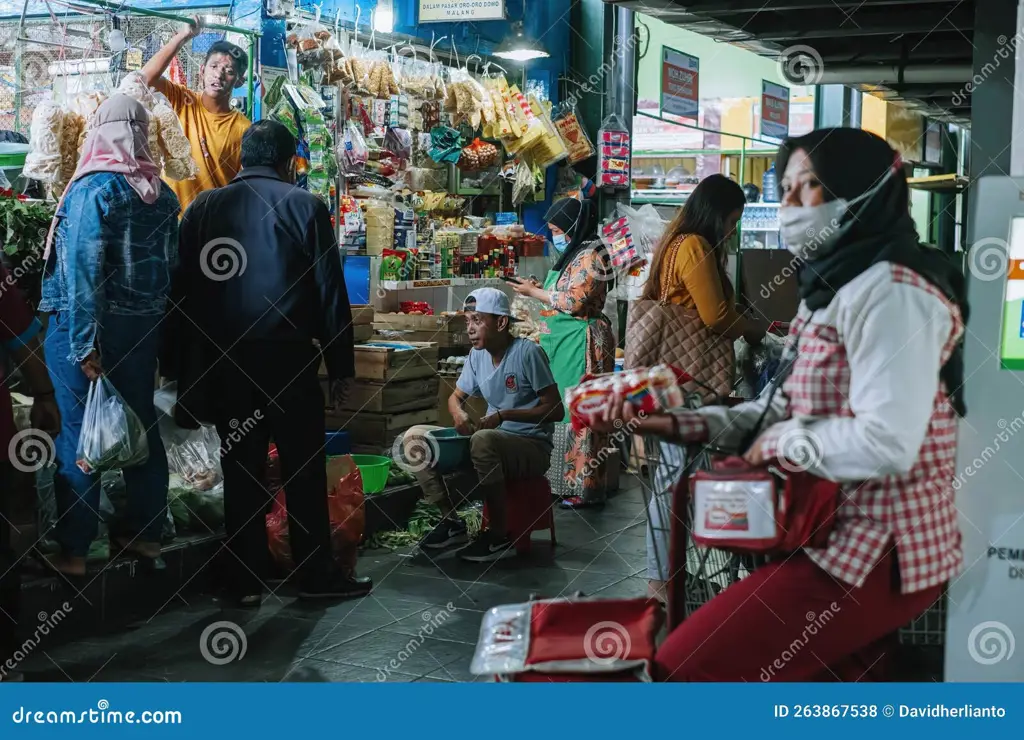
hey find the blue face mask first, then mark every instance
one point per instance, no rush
(560, 242)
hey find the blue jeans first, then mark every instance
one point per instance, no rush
(128, 351)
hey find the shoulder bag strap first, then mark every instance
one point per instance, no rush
(780, 377)
(671, 254)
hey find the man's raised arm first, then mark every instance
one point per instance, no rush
(155, 67)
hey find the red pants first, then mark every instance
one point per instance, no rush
(792, 621)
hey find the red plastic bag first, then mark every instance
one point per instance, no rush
(345, 506)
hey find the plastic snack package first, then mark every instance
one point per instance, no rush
(647, 390)
(112, 435)
(572, 133)
(614, 147)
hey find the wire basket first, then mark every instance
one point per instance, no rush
(561, 441)
(67, 54)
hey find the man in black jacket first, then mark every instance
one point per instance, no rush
(258, 286)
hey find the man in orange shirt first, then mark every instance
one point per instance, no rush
(211, 126)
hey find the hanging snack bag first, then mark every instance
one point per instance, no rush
(572, 133)
(613, 167)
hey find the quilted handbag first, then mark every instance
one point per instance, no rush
(660, 333)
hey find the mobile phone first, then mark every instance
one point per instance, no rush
(511, 279)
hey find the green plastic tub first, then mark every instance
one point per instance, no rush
(452, 448)
(374, 469)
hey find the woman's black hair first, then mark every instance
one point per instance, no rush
(714, 199)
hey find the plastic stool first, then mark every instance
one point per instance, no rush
(529, 509)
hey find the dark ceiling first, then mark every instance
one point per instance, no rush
(918, 52)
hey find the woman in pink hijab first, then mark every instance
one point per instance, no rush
(109, 256)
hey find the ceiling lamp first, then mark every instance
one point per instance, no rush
(384, 17)
(519, 47)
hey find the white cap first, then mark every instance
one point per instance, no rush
(488, 300)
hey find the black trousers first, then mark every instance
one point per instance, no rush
(265, 390)
(10, 580)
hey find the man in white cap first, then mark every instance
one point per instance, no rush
(512, 442)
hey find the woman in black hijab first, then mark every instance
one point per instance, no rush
(578, 337)
(869, 401)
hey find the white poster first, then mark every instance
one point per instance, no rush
(436, 11)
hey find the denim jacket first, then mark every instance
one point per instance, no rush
(112, 253)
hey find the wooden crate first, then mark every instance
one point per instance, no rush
(362, 315)
(377, 431)
(388, 361)
(475, 407)
(447, 331)
(394, 397)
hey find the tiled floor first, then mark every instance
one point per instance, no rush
(420, 623)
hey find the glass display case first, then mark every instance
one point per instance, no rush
(759, 228)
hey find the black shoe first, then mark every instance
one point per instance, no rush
(487, 548)
(337, 587)
(449, 532)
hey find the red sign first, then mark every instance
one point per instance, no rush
(774, 110)
(679, 83)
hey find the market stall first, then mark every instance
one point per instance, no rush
(431, 155)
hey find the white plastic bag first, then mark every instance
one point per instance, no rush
(112, 435)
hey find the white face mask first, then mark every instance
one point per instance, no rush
(810, 232)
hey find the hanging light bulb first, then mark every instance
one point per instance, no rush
(384, 17)
(116, 41)
(519, 47)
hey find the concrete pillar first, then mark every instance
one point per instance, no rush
(985, 625)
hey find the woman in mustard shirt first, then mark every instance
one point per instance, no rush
(703, 229)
